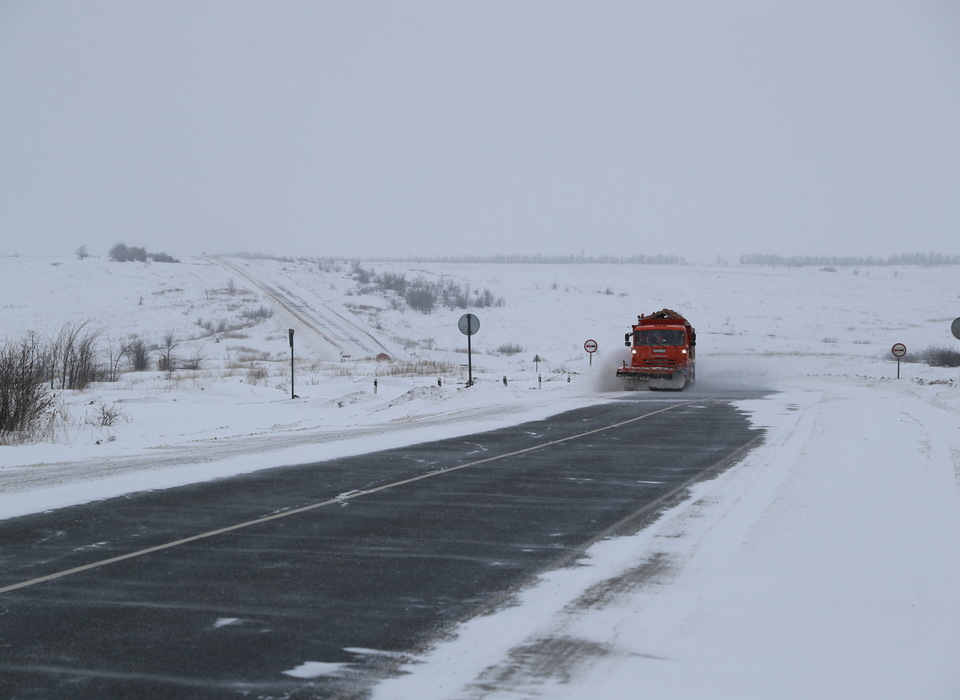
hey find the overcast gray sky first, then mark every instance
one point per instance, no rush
(697, 128)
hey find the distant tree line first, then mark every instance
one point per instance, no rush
(549, 259)
(260, 256)
(123, 253)
(925, 259)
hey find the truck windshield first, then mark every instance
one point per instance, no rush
(658, 337)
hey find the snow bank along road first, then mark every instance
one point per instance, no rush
(232, 587)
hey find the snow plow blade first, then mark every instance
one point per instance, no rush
(642, 381)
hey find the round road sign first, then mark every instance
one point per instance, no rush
(469, 324)
(590, 346)
(955, 328)
(899, 350)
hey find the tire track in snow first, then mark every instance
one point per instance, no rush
(329, 324)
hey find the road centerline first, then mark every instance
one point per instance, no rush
(330, 501)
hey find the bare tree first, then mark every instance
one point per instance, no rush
(194, 360)
(82, 253)
(167, 360)
(115, 355)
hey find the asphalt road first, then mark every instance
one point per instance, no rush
(216, 590)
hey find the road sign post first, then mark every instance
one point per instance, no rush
(591, 347)
(469, 324)
(898, 350)
(955, 328)
(292, 395)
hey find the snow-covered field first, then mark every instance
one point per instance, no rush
(825, 564)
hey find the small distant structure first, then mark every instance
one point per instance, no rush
(383, 357)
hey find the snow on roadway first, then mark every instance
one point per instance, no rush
(824, 564)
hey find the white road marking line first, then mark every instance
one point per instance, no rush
(313, 506)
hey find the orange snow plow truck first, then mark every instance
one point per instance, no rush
(662, 353)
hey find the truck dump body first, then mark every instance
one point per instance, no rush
(663, 353)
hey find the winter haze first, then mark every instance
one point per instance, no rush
(441, 129)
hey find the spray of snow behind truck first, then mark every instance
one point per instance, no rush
(662, 353)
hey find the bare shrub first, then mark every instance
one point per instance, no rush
(218, 326)
(105, 416)
(486, 299)
(194, 361)
(25, 401)
(257, 375)
(419, 368)
(362, 275)
(396, 282)
(424, 295)
(138, 355)
(257, 314)
(73, 357)
(509, 349)
(421, 297)
(940, 356)
(247, 354)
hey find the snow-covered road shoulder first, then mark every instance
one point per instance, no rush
(230, 428)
